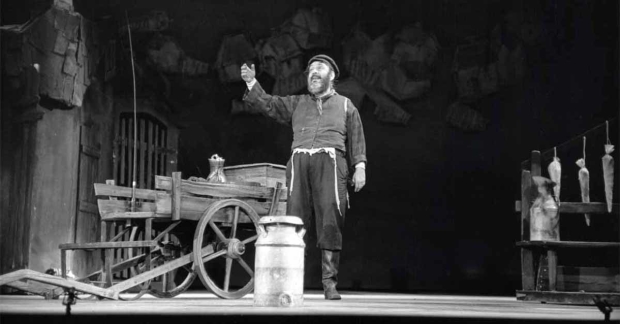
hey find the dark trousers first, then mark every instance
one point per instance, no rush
(313, 197)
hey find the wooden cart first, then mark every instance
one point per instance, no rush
(182, 230)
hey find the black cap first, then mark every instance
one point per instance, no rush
(328, 60)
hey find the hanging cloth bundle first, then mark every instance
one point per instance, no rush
(608, 170)
(555, 174)
(584, 180)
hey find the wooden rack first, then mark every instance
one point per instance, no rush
(594, 284)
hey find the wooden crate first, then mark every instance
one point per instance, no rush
(266, 174)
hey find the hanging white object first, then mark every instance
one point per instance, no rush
(584, 180)
(279, 263)
(608, 171)
(555, 174)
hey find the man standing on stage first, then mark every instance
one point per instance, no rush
(327, 136)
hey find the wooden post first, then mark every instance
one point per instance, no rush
(527, 257)
(275, 200)
(552, 260)
(107, 257)
(176, 196)
(148, 227)
(536, 168)
(63, 263)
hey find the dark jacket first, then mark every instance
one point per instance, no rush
(330, 127)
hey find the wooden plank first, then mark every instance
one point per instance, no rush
(107, 207)
(56, 281)
(130, 146)
(266, 174)
(106, 245)
(132, 215)
(155, 151)
(528, 271)
(590, 279)
(162, 151)
(36, 288)
(123, 145)
(176, 196)
(118, 191)
(552, 259)
(562, 297)
(567, 244)
(193, 207)
(142, 147)
(149, 149)
(591, 208)
(115, 147)
(579, 207)
(220, 190)
(88, 207)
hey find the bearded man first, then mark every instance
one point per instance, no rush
(327, 137)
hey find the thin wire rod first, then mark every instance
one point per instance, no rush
(135, 121)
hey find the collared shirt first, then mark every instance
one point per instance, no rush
(330, 121)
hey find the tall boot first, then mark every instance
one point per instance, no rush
(330, 261)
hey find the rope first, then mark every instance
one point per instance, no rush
(584, 134)
(607, 131)
(584, 149)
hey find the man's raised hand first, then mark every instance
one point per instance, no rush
(248, 74)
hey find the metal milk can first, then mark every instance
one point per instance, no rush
(544, 216)
(216, 163)
(279, 263)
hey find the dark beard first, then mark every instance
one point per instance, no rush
(322, 87)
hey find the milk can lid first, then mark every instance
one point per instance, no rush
(293, 220)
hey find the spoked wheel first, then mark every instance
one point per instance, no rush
(177, 280)
(169, 247)
(137, 234)
(224, 249)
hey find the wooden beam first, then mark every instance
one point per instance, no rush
(119, 216)
(102, 189)
(165, 268)
(219, 190)
(36, 288)
(567, 244)
(562, 297)
(106, 245)
(528, 271)
(122, 206)
(176, 196)
(192, 207)
(56, 281)
(590, 279)
(591, 208)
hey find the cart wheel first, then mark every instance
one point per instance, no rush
(228, 242)
(170, 247)
(137, 234)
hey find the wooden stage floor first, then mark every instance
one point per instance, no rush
(355, 307)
